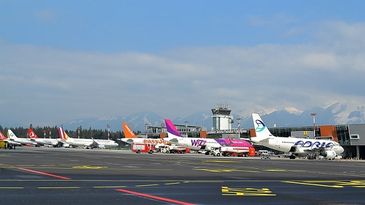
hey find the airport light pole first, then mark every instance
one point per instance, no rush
(108, 130)
(78, 132)
(147, 128)
(186, 128)
(313, 114)
(163, 128)
(239, 126)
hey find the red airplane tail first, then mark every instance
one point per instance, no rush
(32, 134)
(2, 136)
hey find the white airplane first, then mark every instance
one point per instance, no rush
(75, 142)
(192, 143)
(328, 149)
(207, 144)
(87, 143)
(23, 141)
(101, 143)
(131, 138)
(11, 144)
(42, 141)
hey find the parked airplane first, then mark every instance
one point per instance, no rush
(296, 146)
(75, 142)
(131, 138)
(207, 144)
(23, 141)
(10, 144)
(87, 143)
(42, 141)
(102, 143)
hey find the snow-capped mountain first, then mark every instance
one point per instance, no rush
(333, 114)
(336, 113)
(346, 113)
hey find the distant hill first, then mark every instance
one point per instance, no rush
(135, 121)
(334, 114)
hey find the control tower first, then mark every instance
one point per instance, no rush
(222, 119)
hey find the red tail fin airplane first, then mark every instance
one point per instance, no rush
(41, 141)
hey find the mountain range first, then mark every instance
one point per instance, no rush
(336, 113)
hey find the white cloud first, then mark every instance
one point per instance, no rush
(320, 60)
(57, 85)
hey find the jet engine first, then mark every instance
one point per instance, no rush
(329, 154)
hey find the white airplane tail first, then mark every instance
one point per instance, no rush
(262, 132)
(11, 134)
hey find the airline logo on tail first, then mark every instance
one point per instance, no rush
(171, 129)
(262, 132)
(260, 126)
(32, 134)
(128, 133)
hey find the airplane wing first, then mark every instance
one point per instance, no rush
(95, 144)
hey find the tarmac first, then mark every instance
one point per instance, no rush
(39, 175)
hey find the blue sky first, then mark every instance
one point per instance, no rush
(63, 60)
(112, 26)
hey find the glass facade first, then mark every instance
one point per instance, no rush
(286, 131)
(343, 134)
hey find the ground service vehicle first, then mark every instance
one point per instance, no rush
(233, 151)
(143, 148)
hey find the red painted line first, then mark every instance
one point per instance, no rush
(154, 197)
(44, 173)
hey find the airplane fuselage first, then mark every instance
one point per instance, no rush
(145, 141)
(76, 142)
(197, 143)
(285, 144)
(105, 143)
(23, 141)
(207, 143)
(45, 141)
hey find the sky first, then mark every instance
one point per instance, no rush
(66, 60)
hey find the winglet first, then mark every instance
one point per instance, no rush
(128, 133)
(172, 132)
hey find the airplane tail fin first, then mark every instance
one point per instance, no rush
(128, 133)
(62, 134)
(2, 136)
(172, 132)
(11, 134)
(31, 134)
(262, 132)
